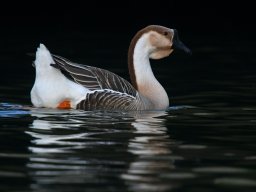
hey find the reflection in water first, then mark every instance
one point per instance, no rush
(151, 146)
(69, 146)
(183, 149)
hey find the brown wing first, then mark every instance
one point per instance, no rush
(107, 100)
(93, 78)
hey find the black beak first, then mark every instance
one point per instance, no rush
(177, 44)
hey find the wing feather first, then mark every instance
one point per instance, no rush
(93, 78)
(106, 100)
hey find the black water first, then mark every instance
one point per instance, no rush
(206, 141)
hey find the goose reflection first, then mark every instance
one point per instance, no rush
(77, 148)
(151, 145)
(88, 148)
(51, 128)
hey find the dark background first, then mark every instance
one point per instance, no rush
(203, 17)
(98, 33)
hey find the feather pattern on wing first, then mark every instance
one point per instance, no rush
(108, 100)
(93, 78)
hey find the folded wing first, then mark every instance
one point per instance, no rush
(107, 100)
(93, 78)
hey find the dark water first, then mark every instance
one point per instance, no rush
(206, 141)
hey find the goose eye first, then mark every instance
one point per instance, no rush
(165, 33)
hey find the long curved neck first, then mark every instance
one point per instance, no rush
(141, 74)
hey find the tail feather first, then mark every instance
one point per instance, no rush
(43, 57)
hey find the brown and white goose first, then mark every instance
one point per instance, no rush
(60, 83)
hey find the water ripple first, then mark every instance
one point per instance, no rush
(145, 151)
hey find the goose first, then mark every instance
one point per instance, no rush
(61, 83)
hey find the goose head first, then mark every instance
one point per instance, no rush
(151, 42)
(159, 41)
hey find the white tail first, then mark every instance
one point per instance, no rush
(43, 58)
(51, 87)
